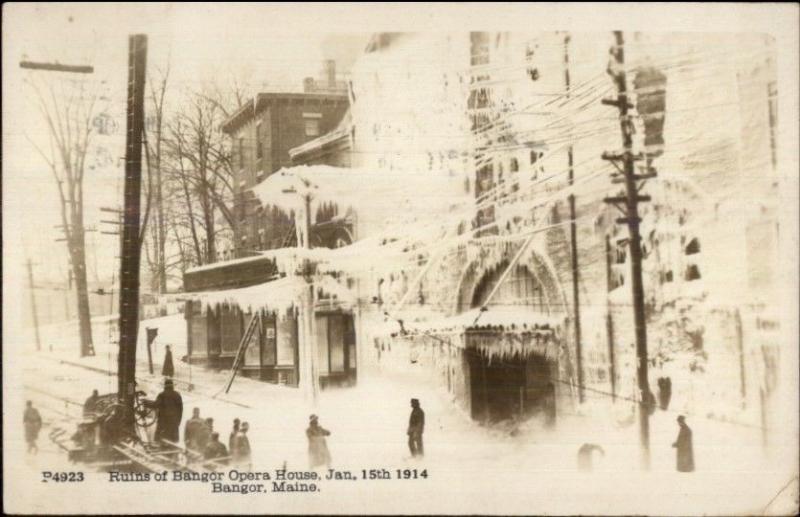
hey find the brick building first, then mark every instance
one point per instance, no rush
(263, 131)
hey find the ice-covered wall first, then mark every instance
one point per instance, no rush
(707, 245)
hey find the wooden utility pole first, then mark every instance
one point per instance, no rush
(312, 345)
(628, 204)
(573, 239)
(131, 250)
(35, 316)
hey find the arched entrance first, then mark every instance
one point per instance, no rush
(522, 384)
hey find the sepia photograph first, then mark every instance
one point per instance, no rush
(384, 258)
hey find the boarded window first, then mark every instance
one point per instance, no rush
(252, 355)
(230, 331)
(268, 352)
(322, 344)
(286, 337)
(336, 344)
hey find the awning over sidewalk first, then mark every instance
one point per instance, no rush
(499, 332)
(518, 320)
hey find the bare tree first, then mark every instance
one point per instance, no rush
(155, 244)
(200, 171)
(68, 106)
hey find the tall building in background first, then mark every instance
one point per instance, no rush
(262, 132)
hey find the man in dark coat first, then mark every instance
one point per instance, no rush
(32, 421)
(416, 426)
(203, 435)
(90, 406)
(685, 452)
(169, 406)
(236, 423)
(168, 370)
(192, 427)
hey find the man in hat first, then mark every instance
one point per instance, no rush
(90, 406)
(240, 452)
(191, 429)
(685, 452)
(318, 453)
(203, 435)
(32, 422)
(416, 426)
(169, 406)
(236, 423)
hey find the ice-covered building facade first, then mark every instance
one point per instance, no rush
(516, 120)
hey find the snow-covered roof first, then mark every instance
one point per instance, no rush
(390, 197)
(225, 263)
(275, 296)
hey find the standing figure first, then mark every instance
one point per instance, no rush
(685, 452)
(203, 435)
(240, 451)
(169, 406)
(90, 406)
(168, 370)
(318, 454)
(664, 392)
(32, 421)
(232, 436)
(192, 427)
(416, 426)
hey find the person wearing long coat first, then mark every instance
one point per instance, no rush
(192, 427)
(685, 452)
(169, 406)
(168, 370)
(240, 451)
(32, 422)
(318, 454)
(416, 426)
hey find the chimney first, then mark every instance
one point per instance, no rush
(308, 85)
(330, 73)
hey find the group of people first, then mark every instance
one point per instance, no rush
(200, 437)
(204, 442)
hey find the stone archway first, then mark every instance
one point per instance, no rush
(530, 383)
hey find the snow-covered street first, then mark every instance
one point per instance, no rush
(463, 460)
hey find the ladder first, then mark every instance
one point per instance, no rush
(255, 323)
